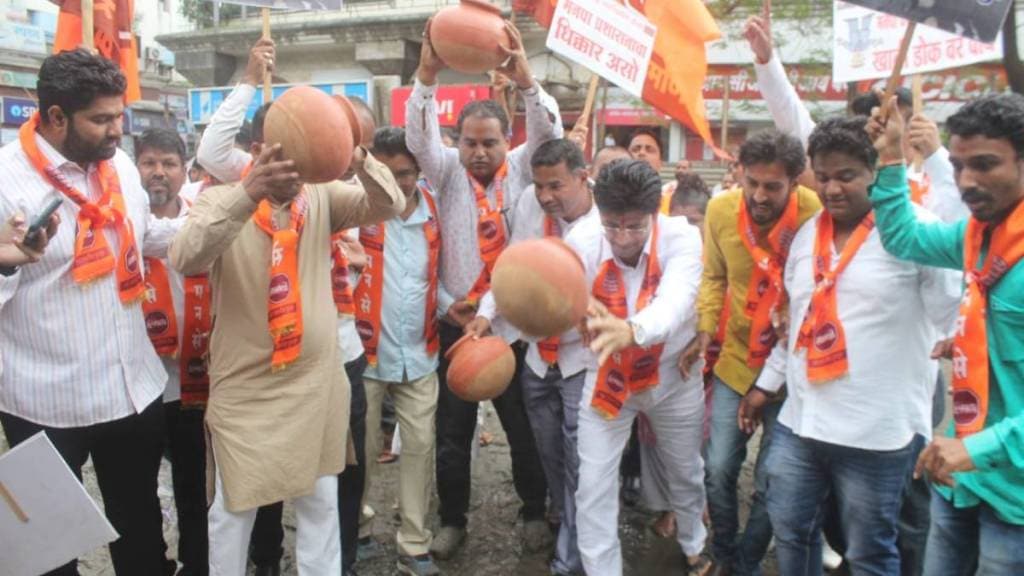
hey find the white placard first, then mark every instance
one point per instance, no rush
(612, 40)
(47, 518)
(290, 4)
(866, 42)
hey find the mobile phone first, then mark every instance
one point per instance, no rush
(42, 219)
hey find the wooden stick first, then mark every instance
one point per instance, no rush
(901, 58)
(588, 105)
(918, 108)
(88, 32)
(724, 138)
(268, 92)
(9, 498)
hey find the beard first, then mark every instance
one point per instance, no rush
(159, 198)
(77, 149)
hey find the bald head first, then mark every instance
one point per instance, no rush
(367, 122)
(604, 156)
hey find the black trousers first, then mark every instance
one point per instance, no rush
(267, 534)
(352, 481)
(126, 456)
(456, 422)
(186, 447)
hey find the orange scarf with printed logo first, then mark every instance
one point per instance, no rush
(341, 288)
(548, 347)
(490, 231)
(93, 257)
(284, 297)
(370, 292)
(162, 327)
(970, 345)
(821, 333)
(634, 369)
(765, 291)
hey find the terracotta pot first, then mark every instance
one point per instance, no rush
(540, 287)
(353, 118)
(466, 37)
(480, 369)
(313, 131)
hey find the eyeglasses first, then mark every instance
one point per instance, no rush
(633, 230)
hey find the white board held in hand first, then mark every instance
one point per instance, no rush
(47, 519)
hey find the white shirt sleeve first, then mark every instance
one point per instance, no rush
(216, 152)
(677, 292)
(773, 375)
(423, 137)
(944, 197)
(784, 104)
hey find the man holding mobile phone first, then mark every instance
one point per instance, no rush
(77, 363)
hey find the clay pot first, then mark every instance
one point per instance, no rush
(353, 118)
(540, 287)
(313, 131)
(480, 369)
(466, 37)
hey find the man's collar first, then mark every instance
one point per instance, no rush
(52, 154)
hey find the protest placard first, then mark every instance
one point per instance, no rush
(47, 518)
(866, 43)
(290, 4)
(978, 19)
(608, 38)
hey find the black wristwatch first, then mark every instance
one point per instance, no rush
(9, 270)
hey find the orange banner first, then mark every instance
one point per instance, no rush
(112, 36)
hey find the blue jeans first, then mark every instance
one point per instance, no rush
(726, 451)
(867, 486)
(969, 541)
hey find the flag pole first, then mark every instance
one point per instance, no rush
(267, 90)
(87, 25)
(918, 108)
(901, 58)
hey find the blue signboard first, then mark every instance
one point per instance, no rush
(203, 102)
(17, 111)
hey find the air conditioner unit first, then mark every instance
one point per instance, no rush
(152, 53)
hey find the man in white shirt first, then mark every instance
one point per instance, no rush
(644, 269)
(552, 379)
(478, 184)
(160, 158)
(225, 162)
(856, 366)
(77, 363)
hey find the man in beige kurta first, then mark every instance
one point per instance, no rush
(276, 435)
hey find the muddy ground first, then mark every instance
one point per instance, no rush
(492, 547)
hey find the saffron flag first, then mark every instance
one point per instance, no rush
(679, 65)
(112, 36)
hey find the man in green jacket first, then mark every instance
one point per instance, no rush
(977, 508)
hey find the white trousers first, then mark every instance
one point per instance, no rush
(676, 412)
(317, 538)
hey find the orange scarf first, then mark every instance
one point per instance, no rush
(920, 189)
(765, 292)
(634, 369)
(548, 347)
(284, 297)
(370, 291)
(162, 326)
(341, 288)
(821, 333)
(970, 345)
(490, 231)
(93, 256)
(715, 348)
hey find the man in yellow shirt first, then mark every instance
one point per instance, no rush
(754, 222)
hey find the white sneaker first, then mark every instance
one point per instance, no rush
(829, 557)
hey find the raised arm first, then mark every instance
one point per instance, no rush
(375, 199)
(784, 104)
(216, 151)
(944, 196)
(422, 131)
(216, 219)
(903, 235)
